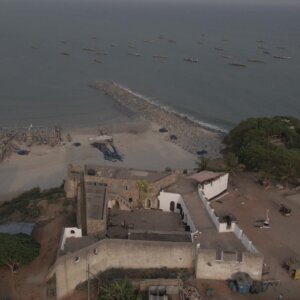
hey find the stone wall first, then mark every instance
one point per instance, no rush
(127, 188)
(208, 267)
(72, 181)
(71, 269)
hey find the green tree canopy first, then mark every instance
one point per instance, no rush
(17, 250)
(269, 145)
(118, 290)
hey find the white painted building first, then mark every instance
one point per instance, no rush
(211, 184)
(173, 202)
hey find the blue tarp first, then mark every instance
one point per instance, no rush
(15, 228)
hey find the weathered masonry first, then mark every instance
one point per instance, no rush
(214, 247)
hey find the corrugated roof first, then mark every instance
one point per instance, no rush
(205, 176)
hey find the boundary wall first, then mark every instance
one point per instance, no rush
(209, 267)
(71, 269)
(221, 227)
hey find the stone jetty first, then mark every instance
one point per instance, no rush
(190, 135)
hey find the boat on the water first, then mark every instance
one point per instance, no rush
(237, 65)
(219, 49)
(89, 49)
(171, 41)
(98, 61)
(256, 61)
(226, 56)
(267, 52)
(282, 57)
(200, 43)
(101, 53)
(188, 59)
(134, 54)
(65, 53)
(159, 56)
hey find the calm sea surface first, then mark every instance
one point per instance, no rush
(39, 85)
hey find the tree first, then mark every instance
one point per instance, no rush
(202, 163)
(17, 250)
(232, 163)
(118, 290)
(144, 190)
(267, 145)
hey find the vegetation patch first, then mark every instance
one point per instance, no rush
(17, 250)
(268, 145)
(26, 202)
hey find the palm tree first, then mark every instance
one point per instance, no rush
(118, 290)
(144, 190)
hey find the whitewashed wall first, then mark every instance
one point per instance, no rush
(166, 198)
(221, 227)
(215, 187)
(69, 232)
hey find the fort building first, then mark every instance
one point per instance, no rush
(174, 227)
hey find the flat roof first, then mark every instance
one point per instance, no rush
(15, 228)
(209, 238)
(147, 220)
(205, 176)
(73, 244)
(124, 173)
(171, 236)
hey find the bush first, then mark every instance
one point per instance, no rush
(269, 145)
(17, 250)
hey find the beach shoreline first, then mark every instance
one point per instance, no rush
(188, 133)
(137, 138)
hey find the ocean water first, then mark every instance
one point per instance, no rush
(40, 86)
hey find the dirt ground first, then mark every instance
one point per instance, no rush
(30, 281)
(247, 200)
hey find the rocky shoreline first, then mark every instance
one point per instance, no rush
(190, 135)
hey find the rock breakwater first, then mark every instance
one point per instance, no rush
(190, 135)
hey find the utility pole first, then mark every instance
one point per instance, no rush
(88, 296)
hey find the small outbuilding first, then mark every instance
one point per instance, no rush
(211, 184)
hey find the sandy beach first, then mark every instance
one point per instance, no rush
(45, 166)
(138, 139)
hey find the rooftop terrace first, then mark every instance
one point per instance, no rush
(209, 237)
